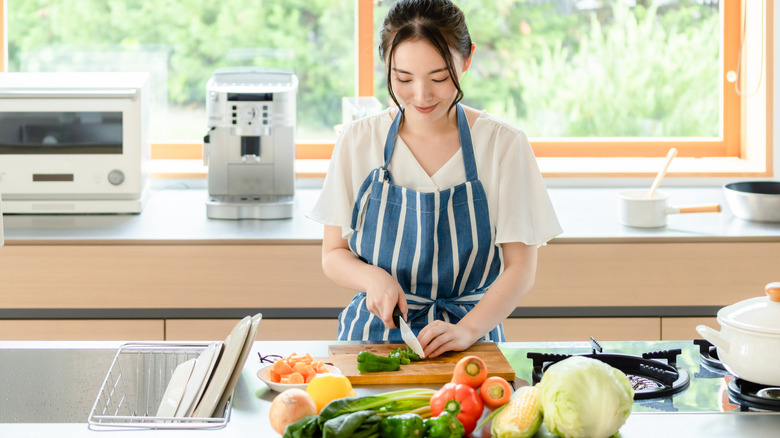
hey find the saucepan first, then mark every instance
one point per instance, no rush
(754, 200)
(638, 208)
(748, 342)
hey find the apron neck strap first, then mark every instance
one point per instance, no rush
(467, 148)
(464, 134)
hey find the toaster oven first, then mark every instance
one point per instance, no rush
(73, 142)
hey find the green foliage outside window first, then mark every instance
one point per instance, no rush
(548, 67)
(183, 41)
(614, 71)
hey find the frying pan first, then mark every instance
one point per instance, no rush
(754, 200)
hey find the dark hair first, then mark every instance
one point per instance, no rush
(439, 22)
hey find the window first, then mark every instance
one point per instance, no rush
(182, 42)
(586, 79)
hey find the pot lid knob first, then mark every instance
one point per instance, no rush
(773, 291)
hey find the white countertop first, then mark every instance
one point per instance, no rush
(175, 213)
(252, 399)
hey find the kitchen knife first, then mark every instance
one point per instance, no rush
(407, 334)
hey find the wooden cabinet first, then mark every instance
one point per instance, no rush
(647, 290)
(73, 330)
(675, 329)
(269, 330)
(581, 329)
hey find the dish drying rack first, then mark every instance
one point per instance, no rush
(134, 386)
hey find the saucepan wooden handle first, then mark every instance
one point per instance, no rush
(709, 208)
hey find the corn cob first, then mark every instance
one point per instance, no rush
(520, 418)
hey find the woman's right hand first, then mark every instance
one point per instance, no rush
(383, 293)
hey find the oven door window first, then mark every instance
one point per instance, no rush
(93, 132)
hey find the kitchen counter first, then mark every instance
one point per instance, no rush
(75, 385)
(175, 213)
(171, 271)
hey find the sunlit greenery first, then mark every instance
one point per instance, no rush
(611, 71)
(548, 66)
(183, 41)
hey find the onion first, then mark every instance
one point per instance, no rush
(289, 407)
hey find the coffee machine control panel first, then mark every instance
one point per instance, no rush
(250, 114)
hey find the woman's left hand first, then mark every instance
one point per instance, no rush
(439, 337)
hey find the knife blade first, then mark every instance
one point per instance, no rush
(407, 334)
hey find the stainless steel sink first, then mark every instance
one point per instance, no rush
(51, 385)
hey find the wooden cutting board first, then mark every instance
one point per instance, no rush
(431, 370)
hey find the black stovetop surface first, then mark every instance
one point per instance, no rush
(707, 391)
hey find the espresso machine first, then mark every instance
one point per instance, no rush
(250, 146)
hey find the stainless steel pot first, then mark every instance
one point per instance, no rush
(754, 200)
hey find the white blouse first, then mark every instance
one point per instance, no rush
(519, 206)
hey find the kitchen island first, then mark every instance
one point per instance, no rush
(56, 396)
(170, 273)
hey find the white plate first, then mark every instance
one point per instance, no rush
(204, 367)
(250, 340)
(234, 343)
(264, 375)
(175, 389)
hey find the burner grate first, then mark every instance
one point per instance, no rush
(746, 394)
(650, 377)
(708, 355)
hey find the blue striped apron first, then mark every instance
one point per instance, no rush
(439, 246)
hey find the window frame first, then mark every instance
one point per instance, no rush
(731, 154)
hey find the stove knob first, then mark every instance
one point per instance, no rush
(116, 177)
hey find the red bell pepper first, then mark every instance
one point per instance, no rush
(454, 397)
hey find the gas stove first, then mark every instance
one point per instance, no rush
(668, 376)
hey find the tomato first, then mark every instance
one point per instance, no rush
(460, 400)
(471, 371)
(495, 391)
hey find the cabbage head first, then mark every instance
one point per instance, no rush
(583, 397)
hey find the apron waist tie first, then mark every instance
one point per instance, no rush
(424, 310)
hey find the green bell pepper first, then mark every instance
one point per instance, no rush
(371, 363)
(445, 425)
(414, 357)
(401, 426)
(400, 355)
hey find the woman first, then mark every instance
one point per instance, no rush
(431, 206)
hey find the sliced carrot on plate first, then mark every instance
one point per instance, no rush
(295, 379)
(282, 367)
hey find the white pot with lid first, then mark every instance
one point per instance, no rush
(749, 340)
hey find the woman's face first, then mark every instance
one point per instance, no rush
(421, 82)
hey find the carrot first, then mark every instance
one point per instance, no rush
(296, 369)
(282, 367)
(495, 392)
(305, 358)
(299, 367)
(295, 379)
(471, 371)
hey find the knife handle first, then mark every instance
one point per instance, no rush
(397, 317)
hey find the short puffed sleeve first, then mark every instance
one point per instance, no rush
(356, 153)
(525, 211)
